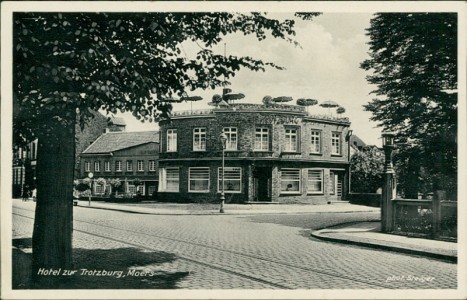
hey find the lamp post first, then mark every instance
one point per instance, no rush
(90, 176)
(388, 183)
(223, 138)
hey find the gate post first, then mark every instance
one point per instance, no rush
(387, 221)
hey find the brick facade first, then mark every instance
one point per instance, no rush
(260, 170)
(110, 148)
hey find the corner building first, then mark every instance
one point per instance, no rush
(274, 153)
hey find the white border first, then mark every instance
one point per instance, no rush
(7, 8)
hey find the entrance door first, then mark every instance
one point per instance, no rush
(337, 181)
(262, 184)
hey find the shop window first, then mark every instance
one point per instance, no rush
(315, 181)
(198, 180)
(290, 181)
(169, 179)
(232, 180)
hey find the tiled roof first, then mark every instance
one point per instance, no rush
(113, 141)
(118, 121)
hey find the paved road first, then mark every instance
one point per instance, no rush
(241, 252)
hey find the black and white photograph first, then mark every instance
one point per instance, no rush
(233, 150)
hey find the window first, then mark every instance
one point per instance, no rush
(140, 166)
(132, 189)
(107, 166)
(198, 180)
(262, 139)
(99, 188)
(315, 141)
(171, 140)
(199, 139)
(169, 179)
(290, 181)
(232, 180)
(151, 190)
(97, 166)
(291, 140)
(336, 143)
(87, 166)
(231, 133)
(129, 166)
(118, 166)
(152, 165)
(315, 182)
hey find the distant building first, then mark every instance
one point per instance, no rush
(356, 144)
(274, 153)
(25, 158)
(128, 156)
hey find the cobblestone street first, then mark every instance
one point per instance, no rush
(244, 252)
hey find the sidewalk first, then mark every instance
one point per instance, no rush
(369, 234)
(230, 209)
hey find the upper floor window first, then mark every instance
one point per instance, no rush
(290, 181)
(291, 140)
(97, 166)
(118, 166)
(336, 143)
(315, 141)
(198, 179)
(171, 140)
(199, 139)
(140, 166)
(129, 166)
(107, 166)
(231, 133)
(262, 139)
(315, 181)
(87, 166)
(152, 165)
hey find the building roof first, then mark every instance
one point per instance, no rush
(356, 142)
(117, 121)
(114, 141)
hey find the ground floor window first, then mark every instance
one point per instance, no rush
(290, 181)
(99, 189)
(232, 180)
(169, 179)
(151, 190)
(315, 181)
(198, 180)
(132, 189)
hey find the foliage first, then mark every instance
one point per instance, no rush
(267, 100)
(137, 182)
(282, 99)
(306, 102)
(115, 182)
(81, 187)
(123, 62)
(100, 181)
(366, 168)
(340, 110)
(413, 59)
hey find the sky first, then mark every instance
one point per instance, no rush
(325, 67)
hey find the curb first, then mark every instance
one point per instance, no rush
(215, 213)
(445, 257)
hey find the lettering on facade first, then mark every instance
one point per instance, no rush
(274, 119)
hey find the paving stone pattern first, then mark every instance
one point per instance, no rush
(233, 252)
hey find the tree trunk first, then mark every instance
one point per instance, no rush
(53, 223)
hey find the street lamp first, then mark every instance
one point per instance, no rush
(90, 176)
(223, 138)
(388, 183)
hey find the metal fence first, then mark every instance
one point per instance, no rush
(429, 218)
